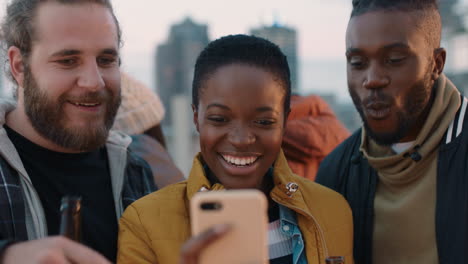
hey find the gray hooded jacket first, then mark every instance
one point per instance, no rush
(21, 213)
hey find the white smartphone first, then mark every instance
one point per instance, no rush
(246, 212)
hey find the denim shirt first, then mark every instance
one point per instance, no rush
(290, 228)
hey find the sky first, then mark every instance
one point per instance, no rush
(321, 27)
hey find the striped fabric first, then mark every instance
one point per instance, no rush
(456, 126)
(279, 244)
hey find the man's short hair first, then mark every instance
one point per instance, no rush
(426, 13)
(18, 25)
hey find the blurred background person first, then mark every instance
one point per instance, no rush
(139, 116)
(312, 131)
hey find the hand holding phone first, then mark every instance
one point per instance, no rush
(196, 244)
(243, 239)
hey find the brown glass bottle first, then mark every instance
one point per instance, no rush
(70, 218)
(335, 260)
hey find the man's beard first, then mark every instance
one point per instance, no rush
(415, 105)
(49, 119)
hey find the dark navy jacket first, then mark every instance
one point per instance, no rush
(346, 171)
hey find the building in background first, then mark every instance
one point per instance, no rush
(175, 62)
(286, 39)
(345, 111)
(455, 40)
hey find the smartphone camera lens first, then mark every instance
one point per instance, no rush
(213, 206)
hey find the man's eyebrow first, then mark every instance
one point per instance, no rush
(396, 45)
(352, 50)
(63, 53)
(389, 46)
(112, 52)
(71, 52)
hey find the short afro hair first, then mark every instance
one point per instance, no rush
(427, 17)
(241, 49)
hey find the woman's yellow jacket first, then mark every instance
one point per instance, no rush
(153, 229)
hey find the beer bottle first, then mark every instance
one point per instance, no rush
(335, 260)
(70, 218)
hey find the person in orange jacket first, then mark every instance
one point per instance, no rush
(312, 131)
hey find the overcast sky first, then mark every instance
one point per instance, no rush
(321, 26)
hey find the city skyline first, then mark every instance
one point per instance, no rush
(175, 61)
(286, 39)
(146, 23)
(320, 34)
(320, 24)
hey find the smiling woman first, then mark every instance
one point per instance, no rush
(240, 136)
(241, 94)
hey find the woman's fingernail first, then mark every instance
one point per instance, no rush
(221, 228)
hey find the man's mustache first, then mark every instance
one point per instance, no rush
(377, 100)
(90, 97)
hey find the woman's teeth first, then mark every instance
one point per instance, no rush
(239, 161)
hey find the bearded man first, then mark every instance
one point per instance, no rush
(54, 139)
(405, 174)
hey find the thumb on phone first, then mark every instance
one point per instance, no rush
(196, 244)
